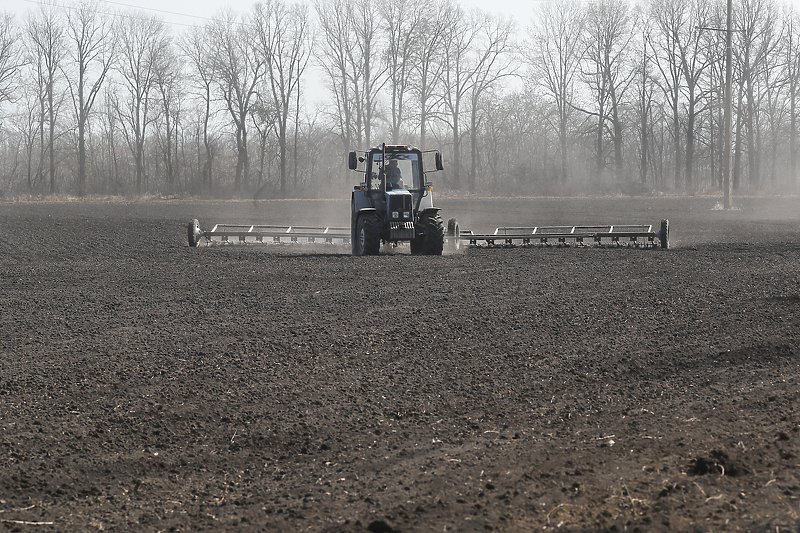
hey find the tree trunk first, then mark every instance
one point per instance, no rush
(81, 136)
(793, 128)
(689, 162)
(473, 146)
(239, 159)
(599, 158)
(282, 157)
(619, 169)
(207, 164)
(40, 168)
(81, 157)
(562, 140)
(51, 140)
(140, 166)
(423, 118)
(456, 181)
(737, 153)
(168, 150)
(752, 156)
(295, 154)
(676, 142)
(245, 158)
(644, 143)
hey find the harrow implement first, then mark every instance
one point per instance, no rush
(246, 233)
(618, 235)
(633, 235)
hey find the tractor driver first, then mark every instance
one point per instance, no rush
(393, 176)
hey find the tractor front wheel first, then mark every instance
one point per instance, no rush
(368, 235)
(431, 242)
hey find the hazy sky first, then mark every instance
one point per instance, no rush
(207, 8)
(520, 10)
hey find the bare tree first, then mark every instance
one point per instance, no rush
(694, 60)
(351, 59)
(238, 69)
(670, 17)
(263, 116)
(26, 122)
(792, 59)
(758, 38)
(644, 87)
(714, 80)
(170, 95)
(333, 58)
(773, 102)
(457, 79)
(607, 40)
(46, 36)
(493, 63)
(142, 41)
(404, 21)
(368, 43)
(554, 56)
(11, 58)
(109, 129)
(194, 45)
(91, 52)
(283, 39)
(437, 17)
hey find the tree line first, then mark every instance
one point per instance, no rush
(597, 97)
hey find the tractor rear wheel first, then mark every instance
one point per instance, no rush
(368, 235)
(432, 235)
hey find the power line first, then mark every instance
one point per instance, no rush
(123, 15)
(157, 10)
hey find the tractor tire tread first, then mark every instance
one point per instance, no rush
(433, 235)
(370, 225)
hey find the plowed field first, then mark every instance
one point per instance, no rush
(146, 385)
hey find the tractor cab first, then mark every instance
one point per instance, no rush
(391, 181)
(394, 203)
(402, 171)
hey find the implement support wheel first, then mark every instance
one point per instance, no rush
(194, 233)
(453, 235)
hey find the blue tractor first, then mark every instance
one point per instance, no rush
(394, 203)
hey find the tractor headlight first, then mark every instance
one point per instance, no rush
(395, 214)
(407, 214)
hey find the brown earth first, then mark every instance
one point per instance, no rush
(145, 385)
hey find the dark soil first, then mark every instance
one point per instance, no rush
(146, 385)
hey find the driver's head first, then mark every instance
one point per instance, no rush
(393, 163)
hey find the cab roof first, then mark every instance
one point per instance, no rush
(396, 148)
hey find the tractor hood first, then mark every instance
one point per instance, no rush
(399, 205)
